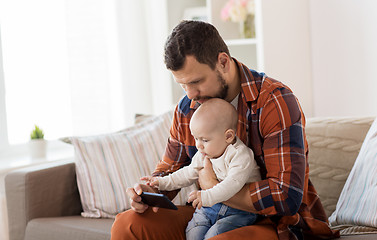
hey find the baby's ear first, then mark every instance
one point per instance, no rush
(229, 136)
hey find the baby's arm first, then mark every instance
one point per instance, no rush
(183, 177)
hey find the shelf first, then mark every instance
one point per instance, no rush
(241, 41)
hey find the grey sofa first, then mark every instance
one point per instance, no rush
(43, 201)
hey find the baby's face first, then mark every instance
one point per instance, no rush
(210, 141)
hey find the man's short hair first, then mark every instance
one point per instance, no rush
(195, 38)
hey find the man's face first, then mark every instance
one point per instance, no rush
(200, 82)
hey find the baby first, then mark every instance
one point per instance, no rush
(213, 126)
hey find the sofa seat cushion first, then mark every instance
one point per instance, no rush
(360, 237)
(71, 227)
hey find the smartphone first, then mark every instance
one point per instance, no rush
(157, 200)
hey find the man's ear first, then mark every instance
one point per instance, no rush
(229, 136)
(223, 61)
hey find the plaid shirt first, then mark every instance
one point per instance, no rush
(271, 123)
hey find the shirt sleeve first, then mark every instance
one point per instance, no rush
(284, 147)
(183, 177)
(175, 155)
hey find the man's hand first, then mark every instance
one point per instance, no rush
(196, 199)
(242, 200)
(135, 200)
(207, 177)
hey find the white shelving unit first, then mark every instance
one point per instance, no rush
(247, 50)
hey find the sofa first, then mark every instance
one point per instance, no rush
(43, 201)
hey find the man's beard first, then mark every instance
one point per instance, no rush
(223, 93)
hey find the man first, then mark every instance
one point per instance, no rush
(270, 122)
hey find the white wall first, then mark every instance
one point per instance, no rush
(3, 119)
(344, 57)
(325, 51)
(286, 46)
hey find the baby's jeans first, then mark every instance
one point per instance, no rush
(208, 222)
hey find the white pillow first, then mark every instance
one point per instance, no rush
(357, 204)
(106, 165)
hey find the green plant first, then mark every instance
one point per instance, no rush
(37, 133)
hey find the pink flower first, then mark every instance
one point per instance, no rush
(237, 10)
(243, 3)
(225, 10)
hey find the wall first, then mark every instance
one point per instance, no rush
(3, 119)
(344, 57)
(286, 47)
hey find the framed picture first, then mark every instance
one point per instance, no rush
(195, 13)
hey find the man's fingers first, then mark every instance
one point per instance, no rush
(135, 200)
(132, 194)
(138, 189)
(138, 207)
(207, 163)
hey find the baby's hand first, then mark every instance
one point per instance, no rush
(151, 181)
(196, 199)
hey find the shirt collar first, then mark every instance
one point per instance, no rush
(194, 104)
(248, 83)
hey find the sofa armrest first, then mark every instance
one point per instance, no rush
(46, 190)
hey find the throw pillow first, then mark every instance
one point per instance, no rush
(138, 119)
(334, 144)
(107, 165)
(357, 204)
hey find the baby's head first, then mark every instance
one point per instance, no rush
(214, 126)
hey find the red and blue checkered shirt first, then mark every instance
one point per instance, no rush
(272, 124)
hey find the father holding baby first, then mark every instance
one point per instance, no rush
(270, 122)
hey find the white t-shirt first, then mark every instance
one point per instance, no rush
(233, 169)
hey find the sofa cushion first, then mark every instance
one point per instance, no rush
(72, 227)
(357, 204)
(108, 164)
(334, 144)
(360, 237)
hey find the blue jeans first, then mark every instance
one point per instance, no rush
(208, 222)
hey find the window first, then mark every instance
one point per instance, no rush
(75, 67)
(55, 78)
(35, 66)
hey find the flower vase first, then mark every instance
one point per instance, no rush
(247, 27)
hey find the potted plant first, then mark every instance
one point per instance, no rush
(37, 143)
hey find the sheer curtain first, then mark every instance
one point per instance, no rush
(78, 67)
(115, 51)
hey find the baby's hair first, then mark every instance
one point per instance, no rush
(219, 109)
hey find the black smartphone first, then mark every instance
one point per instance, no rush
(157, 200)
